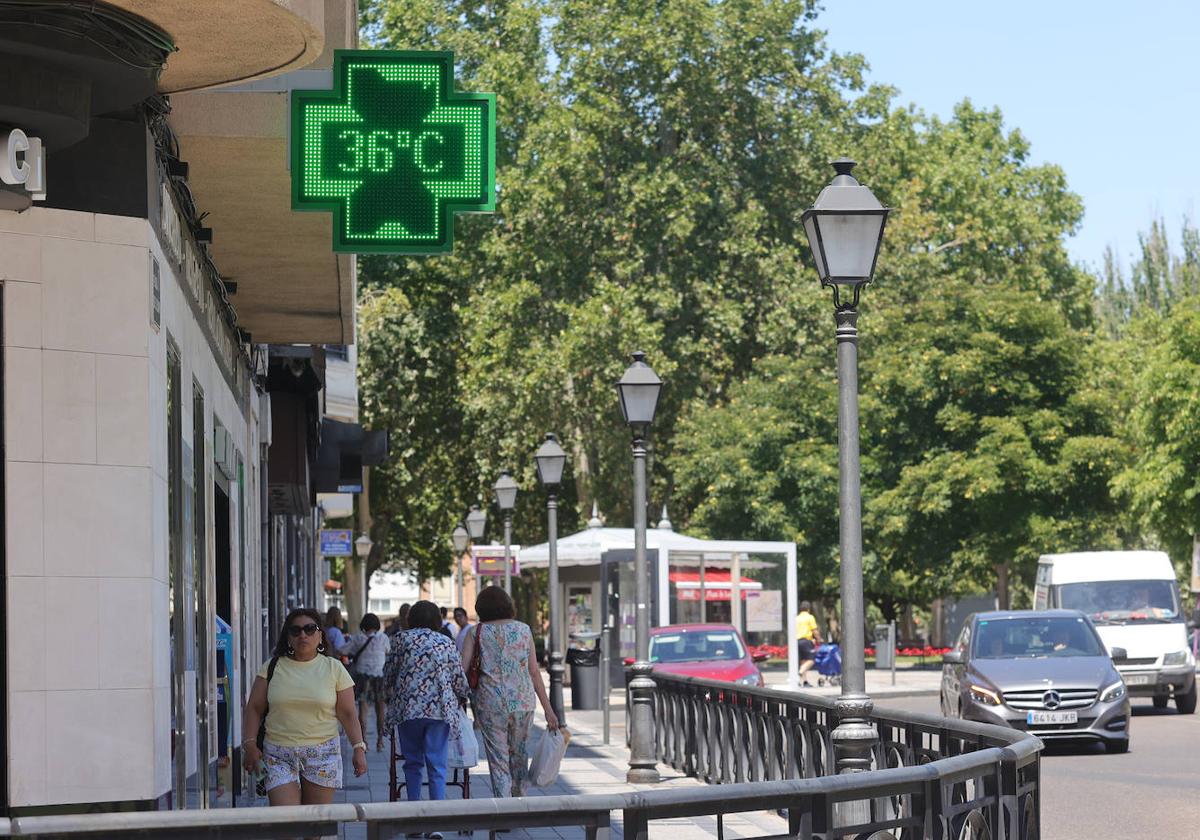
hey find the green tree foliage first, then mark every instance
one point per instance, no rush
(1163, 482)
(1158, 278)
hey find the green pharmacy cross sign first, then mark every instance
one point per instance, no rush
(393, 151)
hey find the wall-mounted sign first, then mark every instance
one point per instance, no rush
(393, 151)
(23, 163)
(337, 542)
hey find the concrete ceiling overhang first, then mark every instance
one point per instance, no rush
(291, 286)
(222, 42)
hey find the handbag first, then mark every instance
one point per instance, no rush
(360, 679)
(476, 659)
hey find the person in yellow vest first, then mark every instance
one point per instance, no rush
(808, 639)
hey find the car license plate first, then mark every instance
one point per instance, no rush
(1138, 679)
(1035, 718)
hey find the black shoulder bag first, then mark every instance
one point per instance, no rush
(262, 724)
(260, 786)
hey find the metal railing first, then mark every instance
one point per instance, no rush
(931, 776)
(768, 750)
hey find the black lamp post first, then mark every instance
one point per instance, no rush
(505, 489)
(551, 459)
(845, 230)
(639, 388)
(459, 539)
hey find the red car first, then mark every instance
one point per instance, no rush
(708, 651)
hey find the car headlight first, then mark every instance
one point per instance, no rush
(1113, 692)
(1179, 657)
(985, 696)
(752, 679)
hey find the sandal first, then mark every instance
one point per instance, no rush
(379, 744)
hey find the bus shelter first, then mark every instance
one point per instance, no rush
(749, 584)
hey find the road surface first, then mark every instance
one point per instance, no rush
(1152, 791)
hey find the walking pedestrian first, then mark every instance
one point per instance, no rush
(808, 639)
(333, 631)
(501, 651)
(367, 651)
(428, 689)
(449, 626)
(303, 693)
(464, 628)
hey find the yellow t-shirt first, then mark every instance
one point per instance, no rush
(302, 700)
(806, 626)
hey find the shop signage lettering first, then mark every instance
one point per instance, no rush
(393, 151)
(23, 163)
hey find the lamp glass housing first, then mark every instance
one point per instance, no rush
(550, 459)
(476, 522)
(639, 388)
(845, 229)
(362, 546)
(505, 489)
(460, 539)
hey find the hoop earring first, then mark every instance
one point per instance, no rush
(321, 648)
(291, 650)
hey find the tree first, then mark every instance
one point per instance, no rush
(1162, 483)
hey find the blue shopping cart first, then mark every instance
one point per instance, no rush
(828, 660)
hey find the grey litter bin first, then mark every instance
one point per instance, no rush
(885, 647)
(585, 672)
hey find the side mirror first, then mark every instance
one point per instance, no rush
(762, 656)
(952, 657)
(1118, 653)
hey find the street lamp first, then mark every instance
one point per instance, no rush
(363, 546)
(638, 389)
(550, 459)
(845, 230)
(459, 539)
(476, 522)
(505, 489)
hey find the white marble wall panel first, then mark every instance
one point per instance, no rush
(97, 521)
(69, 407)
(23, 404)
(23, 518)
(26, 640)
(91, 763)
(27, 747)
(95, 297)
(22, 312)
(123, 410)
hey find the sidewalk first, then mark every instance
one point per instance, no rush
(910, 682)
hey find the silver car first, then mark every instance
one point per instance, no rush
(1043, 671)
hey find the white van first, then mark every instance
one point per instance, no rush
(1133, 599)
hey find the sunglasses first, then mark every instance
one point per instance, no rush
(294, 630)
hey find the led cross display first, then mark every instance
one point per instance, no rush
(393, 151)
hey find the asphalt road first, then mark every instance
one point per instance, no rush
(1153, 791)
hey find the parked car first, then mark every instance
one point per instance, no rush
(1133, 599)
(1044, 671)
(708, 651)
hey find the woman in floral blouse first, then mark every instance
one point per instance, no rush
(509, 680)
(428, 689)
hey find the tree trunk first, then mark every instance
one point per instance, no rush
(935, 622)
(581, 467)
(356, 578)
(1002, 599)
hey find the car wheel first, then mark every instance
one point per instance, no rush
(1116, 747)
(1160, 701)
(1186, 703)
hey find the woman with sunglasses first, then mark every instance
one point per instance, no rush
(305, 692)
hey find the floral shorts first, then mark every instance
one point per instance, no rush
(320, 764)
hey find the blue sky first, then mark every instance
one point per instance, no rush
(1106, 90)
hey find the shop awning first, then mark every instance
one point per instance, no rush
(716, 585)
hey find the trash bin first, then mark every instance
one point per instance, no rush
(885, 646)
(585, 672)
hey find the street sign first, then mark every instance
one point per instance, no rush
(337, 542)
(489, 560)
(393, 151)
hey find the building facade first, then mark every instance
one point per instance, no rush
(164, 321)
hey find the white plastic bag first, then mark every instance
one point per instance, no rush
(543, 770)
(463, 751)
